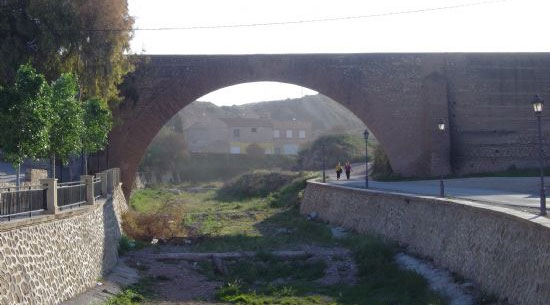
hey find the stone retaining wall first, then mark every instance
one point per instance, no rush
(505, 251)
(51, 258)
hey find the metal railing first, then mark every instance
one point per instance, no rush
(97, 188)
(35, 200)
(22, 202)
(71, 194)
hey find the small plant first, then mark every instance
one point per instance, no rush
(127, 297)
(126, 244)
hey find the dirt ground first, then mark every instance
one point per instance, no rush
(180, 282)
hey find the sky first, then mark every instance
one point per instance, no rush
(389, 26)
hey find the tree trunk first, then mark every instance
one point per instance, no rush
(85, 164)
(82, 162)
(18, 176)
(52, 166)
(60, 171)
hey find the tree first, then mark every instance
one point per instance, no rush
(85, 37)
(24, 111)
(166, 151)
(254, 149)
(337, 148)
(97, 124)
(66, 120)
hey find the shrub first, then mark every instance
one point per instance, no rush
(255, 184)
(254, 150)
(164, 224)
(381, 168)
(336, 148)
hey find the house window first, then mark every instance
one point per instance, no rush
(235, 150)
(290, 149)
(302, 134)
(289, 134)
(276, 133)
(236, 133)
(253, 130)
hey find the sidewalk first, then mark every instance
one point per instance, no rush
(120, 277)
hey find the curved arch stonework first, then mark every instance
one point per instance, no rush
(400, 97)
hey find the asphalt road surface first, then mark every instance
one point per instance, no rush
(522, 192)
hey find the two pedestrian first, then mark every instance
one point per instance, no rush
(347, 167)
(338, 170)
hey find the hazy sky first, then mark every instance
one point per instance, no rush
(492, 26)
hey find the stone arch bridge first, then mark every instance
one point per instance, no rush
(484, 97)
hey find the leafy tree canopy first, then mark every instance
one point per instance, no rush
(337, 148)
(24, 116)
(79, 36)
(97, 124)
(66, 118)
(167, 150)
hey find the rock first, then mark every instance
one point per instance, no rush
(283, 231)
(312, 216)
(338, 232)
(174, 191)
(219, 265)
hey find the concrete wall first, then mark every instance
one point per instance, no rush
(51, 258)
(506, 252)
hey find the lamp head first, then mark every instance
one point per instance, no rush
(441, 125)
(366, 134)
(538, 104)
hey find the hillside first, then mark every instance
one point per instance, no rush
(326, 115)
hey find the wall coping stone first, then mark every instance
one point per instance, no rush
(44, 218)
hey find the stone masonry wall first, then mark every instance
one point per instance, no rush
(51, 258)
(506, 252)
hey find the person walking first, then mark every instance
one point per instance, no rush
(347, 167)
(338, 170)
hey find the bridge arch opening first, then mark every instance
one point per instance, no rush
(397, 109)
(275, 124)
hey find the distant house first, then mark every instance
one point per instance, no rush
(234, 135)
(245, 131)
(210, 136)
(290, 136)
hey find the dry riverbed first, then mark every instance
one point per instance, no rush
(261, 251)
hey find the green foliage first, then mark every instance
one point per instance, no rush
(254, 150)
(97, 124)
(126, 244)
(134, 294)
(127, 297)
(167, 150)
(66, 118)
(291, 194)
(58, 36)
(381, 169)
(382, 281)
(337, 148)
(200, 167)
(255, 184)
(24, 116)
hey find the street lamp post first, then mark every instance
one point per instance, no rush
(441, 129)
(324, 162)
(366, 135)
(538, 104)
